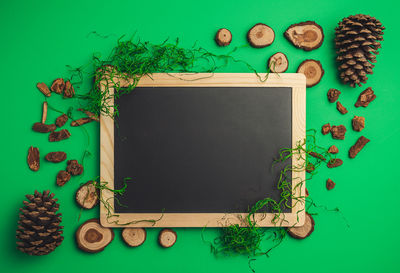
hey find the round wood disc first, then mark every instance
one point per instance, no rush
(260, 35)
(134, 236)
(223, 37)
(87, 196)
(92, 237)
(313, 71)
(303, 231)
(167, 237)
(278, 63)
(306, 35)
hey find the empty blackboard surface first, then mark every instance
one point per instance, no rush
(200, 149)
(200, 152)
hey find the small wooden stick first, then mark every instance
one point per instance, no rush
(44, 114)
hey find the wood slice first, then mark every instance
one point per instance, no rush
(92, 237)
(167, 237)
(134, 236)
(223, 37)
(278, 63)
(306, 35)
(313, 71)
(260, 35)
(87, 196)
(303, 231)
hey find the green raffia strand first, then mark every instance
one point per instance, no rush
(130, 61)
(247, 239)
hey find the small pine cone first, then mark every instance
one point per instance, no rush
(357, 42)
(39, 231)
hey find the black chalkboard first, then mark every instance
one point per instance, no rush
(200, 149)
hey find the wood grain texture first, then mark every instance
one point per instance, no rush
(294, 218)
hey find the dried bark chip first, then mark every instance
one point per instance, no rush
(260, 35)
(338, 132)
(90, 114)
(44, 112)
(307, 194)
(304, 231)
(60, 135)
(336, 162)
(365, 97)
(134, 237)
(62, 178)
(356, 148)
(43, 128)
(223, 37)
(313, 71)
(167, 237)
(74, 168)
(56, 157)
(317, 155)
(58, 86)
(326, 128)
(358, 123)
(306, 35)
(81, 121)
(61, 120)
(69, 90)
(33, 159)
(333, 150)
(310, 167)
(278, 63)
(333, 95)
(330, 184)
(43, 88)
(92, 237)
(87, 196)
(341, 108)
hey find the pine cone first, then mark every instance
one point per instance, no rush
(357, 43)
(39, 231)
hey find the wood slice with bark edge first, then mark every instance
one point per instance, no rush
(260, 35)
(44, 112)
(303, 231)
(87, 196)
(306, 35)
(223, 37)
(167, 238)
(134, 237)
(43, 88)
(278, 63)
(33, 159)
(92, 237)
(313, 71)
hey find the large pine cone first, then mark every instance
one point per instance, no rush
(39, 231)
(357, 43)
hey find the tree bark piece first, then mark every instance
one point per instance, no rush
(62, 178)
(278, 63)
(60, 135)
(44, 112)
(56, 157)
(365, 97)
(43, 128)
(356, 148)
(92, 237)
(61, 120)
(310, 167)
(74, 168)
(317, 155)
(333, 150)
(303, 231)
(90, 114)
(260, 35)
(69, 90)
(223, 37)
(335, 162)
(87, 196)
(330, 184)
(167, 237)
(341, 108)
(134, 237)
(338, 132)
(80, 121)
(43, 88)
(33, 159)
(326, 128)
(306, 35)
(358, 123)
(313, 71)
(58, 86)
(333, 95)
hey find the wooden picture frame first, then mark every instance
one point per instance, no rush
(295, 81)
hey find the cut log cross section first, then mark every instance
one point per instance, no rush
(134, 237)
(260, 35)
(92, 237)
(306, 35)
(313, 71)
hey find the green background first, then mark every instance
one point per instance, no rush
(40, 37)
